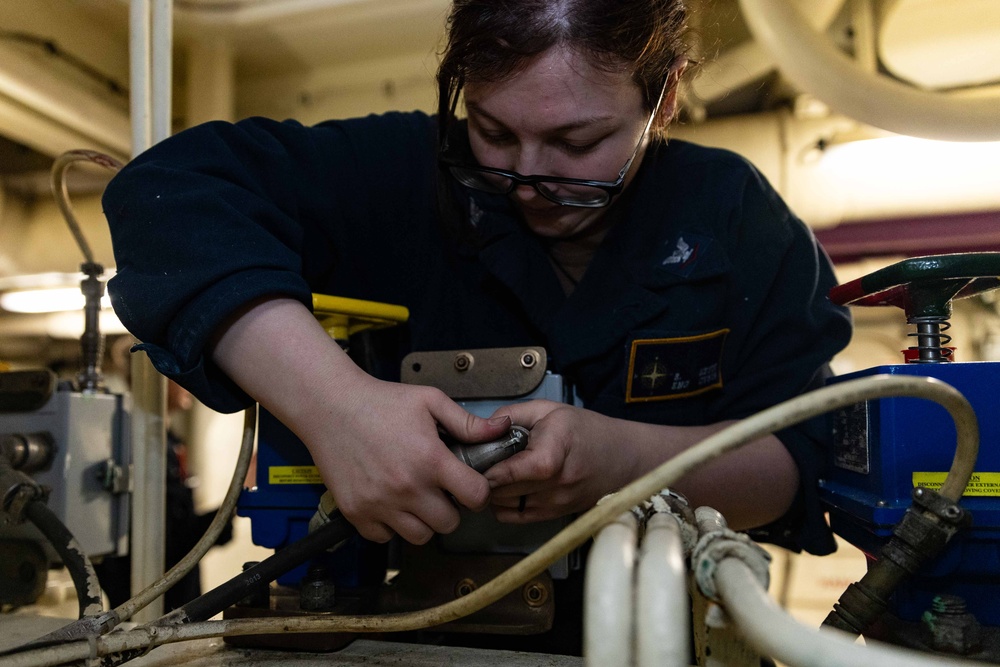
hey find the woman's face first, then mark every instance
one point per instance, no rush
(559, 116)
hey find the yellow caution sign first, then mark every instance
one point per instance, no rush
(980, 484)
(293, 475)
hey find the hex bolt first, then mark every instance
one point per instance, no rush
(535, 594)
(317, 592)
(463, 361)
(529, 358)
(950, 628)
(464, 587)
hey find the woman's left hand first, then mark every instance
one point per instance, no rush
(574, 457)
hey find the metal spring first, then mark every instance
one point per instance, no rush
(931, 339)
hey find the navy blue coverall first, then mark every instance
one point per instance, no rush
(705, 302)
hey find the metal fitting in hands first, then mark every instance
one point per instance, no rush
(482, 456)
(327, 506)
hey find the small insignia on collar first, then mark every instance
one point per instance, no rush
(661, 369)
(475, 213)
(684, 252)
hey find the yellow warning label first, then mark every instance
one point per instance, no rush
(293, 475)
(980, 484)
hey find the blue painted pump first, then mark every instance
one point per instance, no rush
(285, 497)
(883, 449)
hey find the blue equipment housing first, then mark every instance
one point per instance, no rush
(884, 448)
(285, 496)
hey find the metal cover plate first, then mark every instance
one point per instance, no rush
(502, 372)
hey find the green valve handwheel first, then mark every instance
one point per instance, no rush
(924, 288)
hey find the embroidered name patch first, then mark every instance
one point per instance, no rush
(661, 369)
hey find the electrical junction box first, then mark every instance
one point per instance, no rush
(90, 434)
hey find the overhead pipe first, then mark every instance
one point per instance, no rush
(140, 89)
(749, 61)
(31, 85)
(162, 68)
(150, 51)
(247, 12)
(815, 65)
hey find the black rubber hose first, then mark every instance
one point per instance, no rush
(263, 573)
(88, 588)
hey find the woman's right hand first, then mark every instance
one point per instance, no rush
(378, 449)
(376, 443)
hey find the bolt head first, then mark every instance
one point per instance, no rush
(463, 361)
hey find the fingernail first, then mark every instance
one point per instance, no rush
(498, 421)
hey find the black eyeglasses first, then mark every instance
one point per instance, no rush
(565, 191)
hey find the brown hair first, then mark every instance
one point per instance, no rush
(491, 40)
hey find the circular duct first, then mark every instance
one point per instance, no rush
(812, 63)
(935, 44)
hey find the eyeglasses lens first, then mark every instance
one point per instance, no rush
(563, 193)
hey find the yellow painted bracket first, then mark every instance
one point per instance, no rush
(343, 317)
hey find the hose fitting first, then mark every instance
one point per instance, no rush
(922, 535)
(482, 456)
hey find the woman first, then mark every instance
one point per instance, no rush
(668, 282)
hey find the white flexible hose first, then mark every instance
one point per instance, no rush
(666, 475)
(127, 609)
(774, 633)
(608, 594)
(814, 64)
(662, 608)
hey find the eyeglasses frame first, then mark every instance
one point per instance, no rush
(612, 188)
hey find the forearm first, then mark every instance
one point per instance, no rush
(576, 456)
(277, 352)
(751, 486)
(376, 443)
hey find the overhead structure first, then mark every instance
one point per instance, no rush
(815, 65)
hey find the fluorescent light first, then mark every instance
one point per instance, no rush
(915, 161)
(886, 176)
(52, 300)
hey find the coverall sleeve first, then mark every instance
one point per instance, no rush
(222, 214)
(788, 331)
